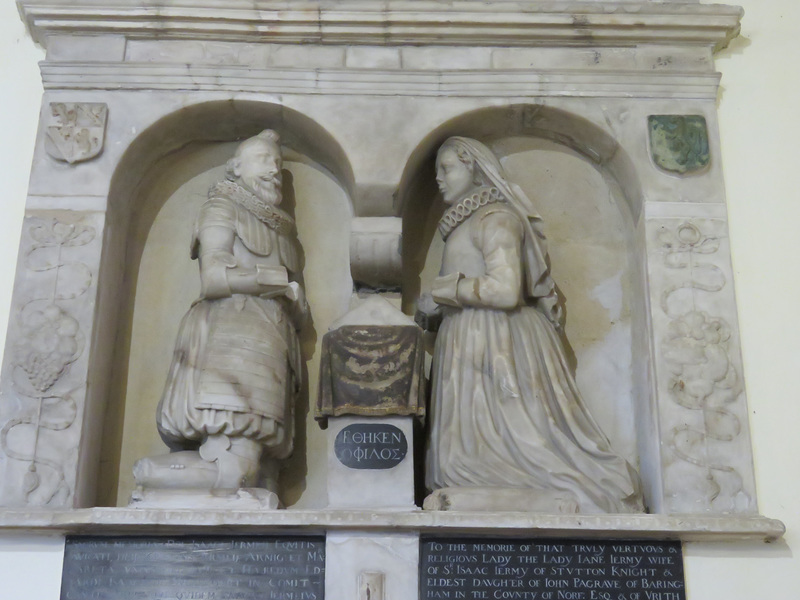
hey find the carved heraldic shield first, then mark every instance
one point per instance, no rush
(76, 131)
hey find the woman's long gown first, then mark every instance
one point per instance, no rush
(506, 410)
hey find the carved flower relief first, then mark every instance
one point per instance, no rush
(702, 378)
(55, 233)
(687, 238)
(50, 341)
(697, 350)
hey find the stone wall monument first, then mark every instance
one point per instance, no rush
(603, 112)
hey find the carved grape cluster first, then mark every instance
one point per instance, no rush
(48, 345)
(697, 350)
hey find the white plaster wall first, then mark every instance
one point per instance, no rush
(30, 566)
(760, 124)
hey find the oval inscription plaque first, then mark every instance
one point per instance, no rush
(370, 446)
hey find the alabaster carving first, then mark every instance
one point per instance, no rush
(75, 131)
(50, 339)
(704, 424)
(228, 404)
(509, 429)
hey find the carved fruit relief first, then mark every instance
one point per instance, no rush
(49, 341)
(702, 381)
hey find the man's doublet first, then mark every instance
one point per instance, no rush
(260, 227)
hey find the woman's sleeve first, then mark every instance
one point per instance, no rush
(499, 237)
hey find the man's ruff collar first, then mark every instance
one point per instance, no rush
(271, 216)
(461, 211)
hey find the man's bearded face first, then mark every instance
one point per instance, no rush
(260, 171)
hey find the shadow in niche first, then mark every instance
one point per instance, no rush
(181, 146)
(421, 228)
(174, 170)
(295, 468)
(572, 360)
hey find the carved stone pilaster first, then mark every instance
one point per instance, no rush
(700, 410)
(45, 367)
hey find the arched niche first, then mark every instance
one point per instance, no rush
(157, 188)
(584, 186)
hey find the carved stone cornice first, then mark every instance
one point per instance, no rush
(685, 527)
(489, 83)
(390, 22)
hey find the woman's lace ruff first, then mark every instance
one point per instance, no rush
(458, 213)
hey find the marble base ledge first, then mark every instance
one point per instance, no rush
(111, 521)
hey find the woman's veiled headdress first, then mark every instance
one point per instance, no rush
(538, 283)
